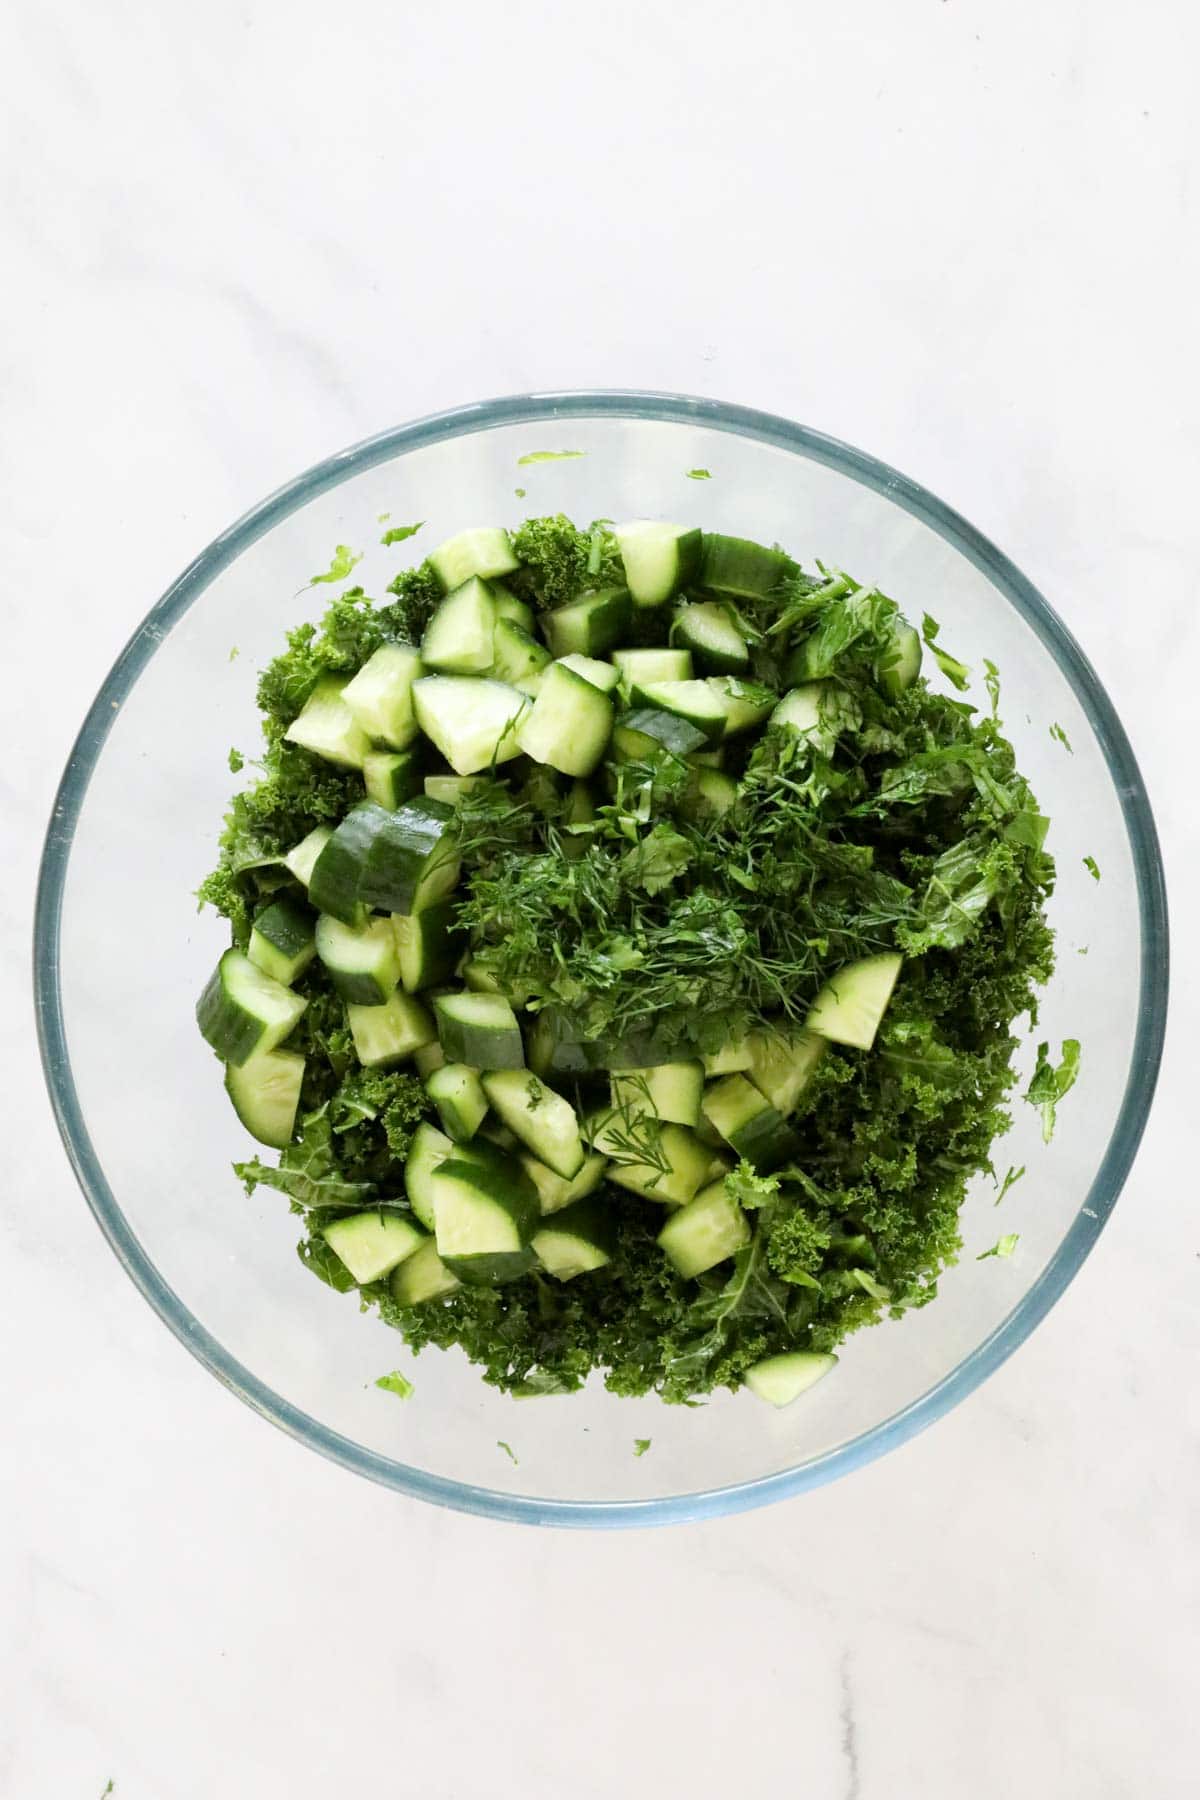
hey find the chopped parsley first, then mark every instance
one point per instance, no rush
(398, 533)
(698, 474)
(1060, 737)
(507, 1449)
(1010, 1180)
(1092, 867)
(641, 1445)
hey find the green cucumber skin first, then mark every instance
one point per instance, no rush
(479, 1045)
(334, 883)
(380, 859)
(491, 1050)
(740, 567)
(492, 1271)
(667, 734)
(766, 1141)
(225, 1026)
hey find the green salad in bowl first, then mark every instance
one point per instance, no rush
(627, 942)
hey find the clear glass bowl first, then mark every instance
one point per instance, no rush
(121, 955)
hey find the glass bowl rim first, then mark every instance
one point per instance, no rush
(660, 408)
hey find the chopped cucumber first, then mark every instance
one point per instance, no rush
(517, 657)
(781, 1379)
(457, 1092)
(265, 1091)
(590, 626)
(425, 946)
(710, 793)
(577, 820)
(712, 638)
(496, 1134)
(479, 978)
(556, 1049)
(380, 695)
(422, 1276)
(337, 874)
(582, 1237)
(485, 1215)
(818, 710)
(637, 668)
(851, 1004)
(509, 607)
(472, 722)
(281, 941)
(397, 861)
(659, 559)
(484, 551)
(372, 1244)
(672, 1091)
(326, 726)
(553, 1191)
(704, 1232)
(672, 1177)
(302, 857)
(543, 1121)
(480, 1030)
(418, 863)
(427, 1058)
(731, 1059)
(800, 710)
(783, 1062)
(745, 703)
(737, 566)
(602, 675)
(459, 637)
(389, 1033)
(569, 723)
(451, 788)
(427, 1151)
(362, 961)
(643, 734)
(391, 777)
(899, 667)
(748, 1122)
(694, 701)
(243, 1011)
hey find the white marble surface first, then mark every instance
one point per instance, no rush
(962, 233)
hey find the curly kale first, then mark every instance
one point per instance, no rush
(559, 561)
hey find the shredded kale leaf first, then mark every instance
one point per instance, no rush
(957, 673)
(901, 823)
(1050, 1082)
(340, 568)
(397, 1384)
(1002, 1247)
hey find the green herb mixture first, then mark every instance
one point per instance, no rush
(898, 823)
